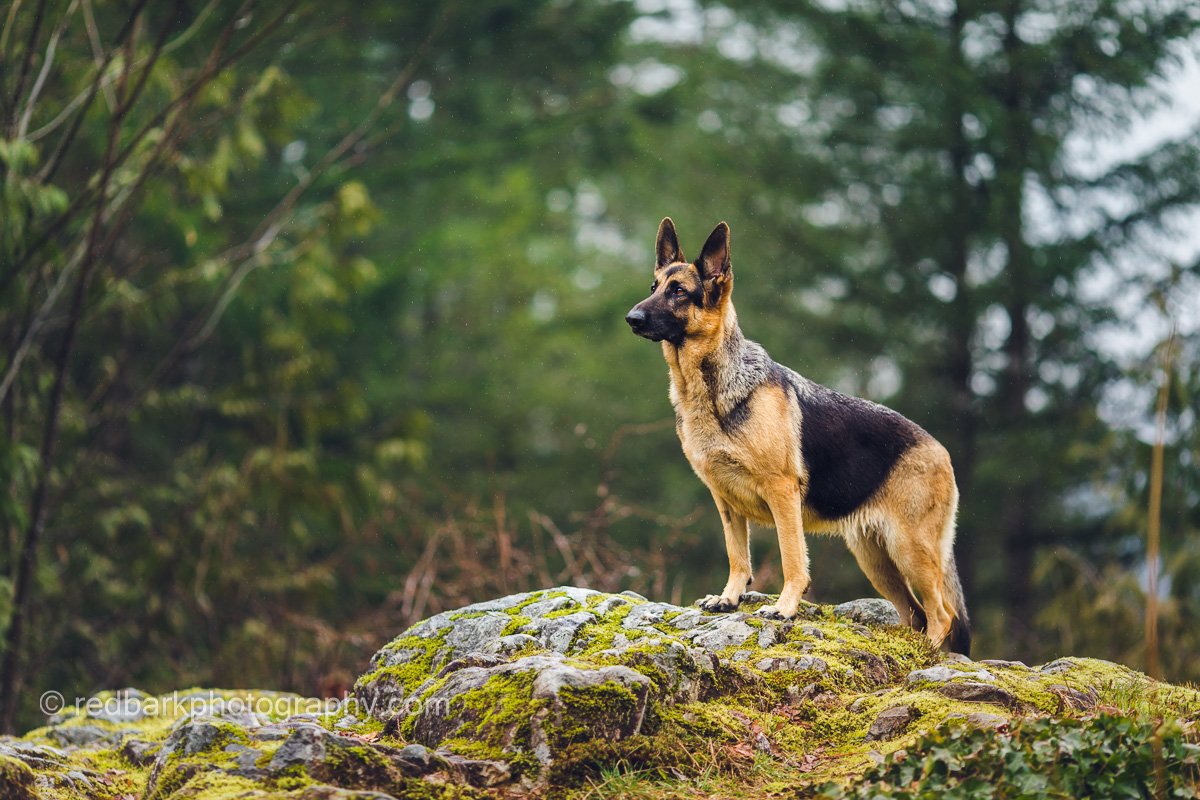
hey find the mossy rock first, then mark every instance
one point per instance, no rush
(814, 686)
(566, 690)
(16, 780)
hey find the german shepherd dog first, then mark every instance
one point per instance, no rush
(777, 449)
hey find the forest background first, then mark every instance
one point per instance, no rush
(312, 312)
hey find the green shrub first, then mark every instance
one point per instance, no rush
(1102, 757)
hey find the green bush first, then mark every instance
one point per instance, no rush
(1103, 757)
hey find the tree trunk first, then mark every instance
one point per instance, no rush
(1018, 543)
(962, 322)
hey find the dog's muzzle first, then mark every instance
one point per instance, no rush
(637, 320)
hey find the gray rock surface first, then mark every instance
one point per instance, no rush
(982, 719)
(507, 645)
(84, 735)
(307, 744)
(470, 636)
(726, 631)
(938, 674)
(557, 633)
(977, 693)
(788, 664)
(943, 674)
(1074, 698)
(891, 723)
(870, 611)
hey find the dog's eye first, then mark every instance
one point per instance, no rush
(679, 291)
(654, 286)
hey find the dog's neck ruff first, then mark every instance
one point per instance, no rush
(716, 374)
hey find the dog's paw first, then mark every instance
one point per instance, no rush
(716, 603)
(771, 612)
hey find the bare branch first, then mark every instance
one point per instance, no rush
(10, 669)
(214, 67)
(267, 231)
(27, 57)
(4, 34)
(8, 24)
(39, 320)
(51, 167)
(104, 213)
(47, 63)
(100, 61)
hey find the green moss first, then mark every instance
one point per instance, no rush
(291, 778)
(366, 727)
(608, 706)
(417, 789)
(359, 767)
(517, 622)
(16, 780)
(712, 721)
(537, 597)
(213, 786)
(497, 713)
(650, 757)
(521, 762)
(180, 769)
(641, 659)
(116, 777)
(413, 672)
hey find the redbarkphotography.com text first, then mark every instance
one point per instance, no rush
(249, 707)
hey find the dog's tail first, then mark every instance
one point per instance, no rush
(958, 640)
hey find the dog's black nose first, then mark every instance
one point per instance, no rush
(635, 318)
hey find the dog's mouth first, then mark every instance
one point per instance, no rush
(659, 333)
(647, 331)
(654, 336)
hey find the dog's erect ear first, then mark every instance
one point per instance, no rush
(666, 248)
(714, 258)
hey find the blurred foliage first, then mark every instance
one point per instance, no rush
(313, 318)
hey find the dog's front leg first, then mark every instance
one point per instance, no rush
(784, 500)
(737, 547)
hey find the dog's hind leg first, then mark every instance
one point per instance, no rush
(921, 564)
(919, 502)
(877, 564)
(737, 547)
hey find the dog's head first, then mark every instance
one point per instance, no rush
(686, 299)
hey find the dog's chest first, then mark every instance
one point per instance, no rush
(719, 459)
(706, 446)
